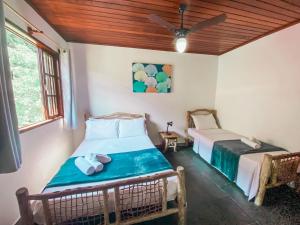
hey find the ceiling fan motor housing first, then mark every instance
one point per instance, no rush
(182, 32)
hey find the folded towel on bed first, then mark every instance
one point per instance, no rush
(123, 165)
(84, 166)
(251, 143)
(103, 158)
(98, 166)
(255, 140)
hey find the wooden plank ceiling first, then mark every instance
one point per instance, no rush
(125, 22)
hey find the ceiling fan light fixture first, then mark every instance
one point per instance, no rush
(181, 44)
(182, 32)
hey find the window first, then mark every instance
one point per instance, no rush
(35, 79)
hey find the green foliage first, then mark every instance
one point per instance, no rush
(23, 58)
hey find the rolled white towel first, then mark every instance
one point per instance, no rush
(84, 166)
(103, 158)
(250, 143)
(255, 140)
(98, 166)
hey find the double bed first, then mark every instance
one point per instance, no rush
(249, 178)
(123, 199)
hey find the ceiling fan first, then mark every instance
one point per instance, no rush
(182, 32)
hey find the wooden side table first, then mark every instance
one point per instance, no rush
(169, 140)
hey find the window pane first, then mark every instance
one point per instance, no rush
(23, 57)
(51, 83)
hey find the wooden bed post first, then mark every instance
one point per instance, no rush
(264, 177)
(117, 205)
(181, 196)
(187, 140)
(24, 207)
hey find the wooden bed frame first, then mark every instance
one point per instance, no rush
(117, 115)
(275, 171)
(190, 123)
(134, 200)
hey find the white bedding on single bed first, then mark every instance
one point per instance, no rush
(108, 146)
(249, 164)
(204, 140)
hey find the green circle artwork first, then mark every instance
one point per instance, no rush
(139, 86)
(151, 78)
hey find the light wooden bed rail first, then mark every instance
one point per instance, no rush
(275, 170)
(117, 115)
(278, 170)
(135, 200)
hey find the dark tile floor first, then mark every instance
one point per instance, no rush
(213, 200)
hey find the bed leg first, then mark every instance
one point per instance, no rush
(259, 199)
(263, 179)
(24, 207)
(181, 197)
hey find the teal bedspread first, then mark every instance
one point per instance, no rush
(123, 165)
(226, 155)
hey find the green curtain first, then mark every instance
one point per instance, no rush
(10, 154)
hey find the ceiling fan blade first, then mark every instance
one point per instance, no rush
(156, 19)
(210, 22)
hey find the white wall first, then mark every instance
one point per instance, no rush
(43, 149)
(109, 83)
(258, 90)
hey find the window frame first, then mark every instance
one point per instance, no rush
(41, 48)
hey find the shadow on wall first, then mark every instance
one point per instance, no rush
(152, 129)
(81, 91)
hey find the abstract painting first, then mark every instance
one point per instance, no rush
(151, 78)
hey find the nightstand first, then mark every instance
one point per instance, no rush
(169, 140)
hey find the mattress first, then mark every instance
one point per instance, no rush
(204, 140)
(108, 146)
(249, 164)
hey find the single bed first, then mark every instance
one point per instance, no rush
(130, 199)
(248, 177)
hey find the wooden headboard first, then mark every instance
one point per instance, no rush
(189, 119)
(117, 115)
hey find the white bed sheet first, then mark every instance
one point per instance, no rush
(249, 164)
(116, 145)
(108, 146)
(204, 140)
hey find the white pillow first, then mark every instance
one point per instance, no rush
(132, 128)
(203, 122)
(101, 129)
